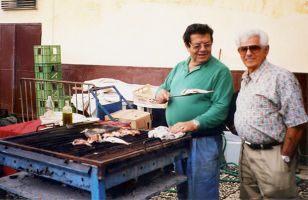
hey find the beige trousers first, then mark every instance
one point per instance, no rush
(264, 175)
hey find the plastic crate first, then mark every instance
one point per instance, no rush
(40, 110)
(47, 67)
(55, 94)
(47, 54)
(49, 86)
(47, 49)
(47, 59)
(41, 105)
(49, 76)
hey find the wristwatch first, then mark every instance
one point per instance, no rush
(285, 158)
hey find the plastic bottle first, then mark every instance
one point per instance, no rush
(49, 104)
(67, 116)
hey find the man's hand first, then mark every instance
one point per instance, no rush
(162, 97)
(291, 140)
(183, 127)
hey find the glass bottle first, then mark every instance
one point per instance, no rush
(49, 104)
(67, 115)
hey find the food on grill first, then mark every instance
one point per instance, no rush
(163, 133)
(89, 132)
(115, 140)
(100, 135)
(98, 138)
(81, 142)
(121, 132)
(95, 138)
(194, 91)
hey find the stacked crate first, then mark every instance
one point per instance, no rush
(47, 59)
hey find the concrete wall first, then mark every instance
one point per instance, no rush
(149, 32)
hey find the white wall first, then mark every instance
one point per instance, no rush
(149, 32)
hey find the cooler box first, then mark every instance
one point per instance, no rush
(138, 119)
(233, 146)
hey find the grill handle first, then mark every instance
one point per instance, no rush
(44, 125)
(145, 142)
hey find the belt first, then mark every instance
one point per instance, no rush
(262, 146)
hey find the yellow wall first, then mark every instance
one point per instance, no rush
(149, 32)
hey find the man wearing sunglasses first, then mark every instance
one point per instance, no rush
(270, 119)
(202, 114)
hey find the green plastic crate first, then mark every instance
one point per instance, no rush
(47, 49)
(49, 76)
(47, 54)
(47, 59)
(48, 86)
(47, 67)
(41, 109)
(43, 94)
(59, 104)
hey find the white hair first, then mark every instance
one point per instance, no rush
(250, 33)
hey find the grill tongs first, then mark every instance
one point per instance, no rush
(189, 92)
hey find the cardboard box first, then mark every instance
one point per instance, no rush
(138, 119)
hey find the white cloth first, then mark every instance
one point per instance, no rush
(87, 102)
(163, 133)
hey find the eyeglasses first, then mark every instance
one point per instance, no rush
(253, 49)
(198, 46)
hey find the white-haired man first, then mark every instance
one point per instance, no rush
(270, 119)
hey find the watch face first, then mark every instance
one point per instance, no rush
(286, 159)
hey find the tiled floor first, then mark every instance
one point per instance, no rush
(303, 172)
(228, 190)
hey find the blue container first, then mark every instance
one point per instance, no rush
(103, 110)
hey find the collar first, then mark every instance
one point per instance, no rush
(196, 67)
(254, 76)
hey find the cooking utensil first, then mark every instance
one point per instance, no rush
(188, 92)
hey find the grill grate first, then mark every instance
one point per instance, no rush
(57, 142)
(60, 140)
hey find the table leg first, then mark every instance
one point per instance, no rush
(98, 191)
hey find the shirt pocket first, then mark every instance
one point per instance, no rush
(261, 102)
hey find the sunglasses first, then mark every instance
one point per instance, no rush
(253, 49)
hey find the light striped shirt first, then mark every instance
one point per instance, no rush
(269, 101)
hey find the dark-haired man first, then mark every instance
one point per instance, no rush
(202, 114)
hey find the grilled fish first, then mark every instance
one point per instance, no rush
(93, 131)
(81, 141)
(121, 133)
(114, 140)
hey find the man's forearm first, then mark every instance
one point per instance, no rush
(291, 140)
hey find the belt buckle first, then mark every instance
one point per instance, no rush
(254, 146)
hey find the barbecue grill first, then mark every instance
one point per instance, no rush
(49, 153)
